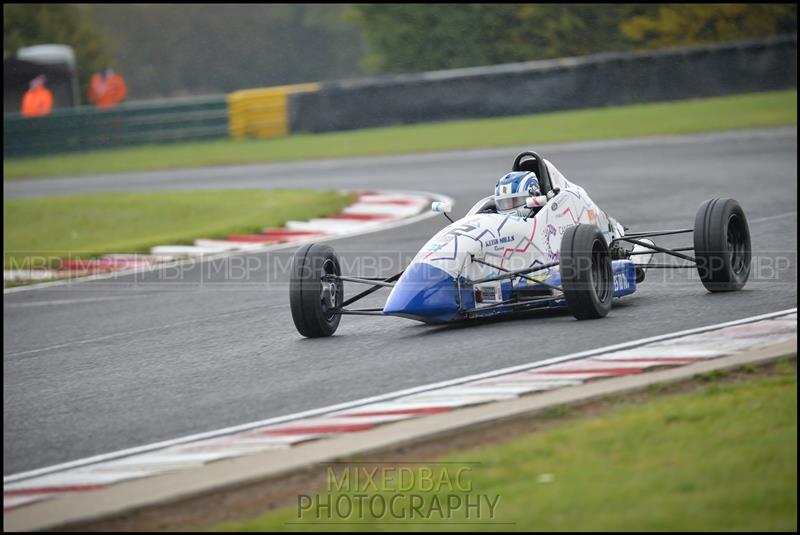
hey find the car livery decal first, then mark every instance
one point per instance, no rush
(511, 242)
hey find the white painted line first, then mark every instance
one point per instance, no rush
(270, 441)
(385, 197)
(58, 276)
(403, 404)
(219, 245)
(755, 331)
(685, 350)
(533, 382)
(334, 226)
(378, 209)
(228, 245)
(488, 389)
(236, 442)
(389, 407)
(76, 478)
(327, 421)
(580, 365)
(237, 450)
(15, 501)
(136, 257)
(30, 274)
(191, 250)
(462, 400)
(381, 402)
(696, 345)
(625, 364)
(578, 376)
(166, 457)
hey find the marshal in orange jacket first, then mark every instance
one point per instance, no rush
(38, 101)
(107, 89)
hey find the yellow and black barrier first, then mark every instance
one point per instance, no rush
(264, 112)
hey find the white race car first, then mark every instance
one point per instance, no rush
(565, 251)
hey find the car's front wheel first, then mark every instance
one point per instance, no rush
(722, 245)
(314, 293)
(586, 275)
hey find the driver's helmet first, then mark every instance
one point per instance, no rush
(513, 189)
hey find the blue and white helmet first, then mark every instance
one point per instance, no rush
(514, 188)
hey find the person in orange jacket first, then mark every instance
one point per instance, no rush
(107, 89)
(38, 100)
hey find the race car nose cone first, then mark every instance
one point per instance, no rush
(425, 293)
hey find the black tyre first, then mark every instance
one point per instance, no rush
(312, 298)
(586, 275)
(722, 245)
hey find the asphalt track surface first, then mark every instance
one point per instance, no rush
(100, 366)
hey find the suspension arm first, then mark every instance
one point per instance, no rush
(656, 248)
(656, 233)
(375, 287)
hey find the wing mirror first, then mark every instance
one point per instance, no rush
(441, 207)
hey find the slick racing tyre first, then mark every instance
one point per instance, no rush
(313, 295)
(586, 275)
(722, 245)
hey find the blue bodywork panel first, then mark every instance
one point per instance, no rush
(427, 293)
(624, 277)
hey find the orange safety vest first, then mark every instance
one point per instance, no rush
(105, 93)
(37, 101)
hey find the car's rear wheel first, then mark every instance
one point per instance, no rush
(586, 275)
(722, 245)
(314, 295)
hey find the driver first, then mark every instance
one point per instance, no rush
(513, 189)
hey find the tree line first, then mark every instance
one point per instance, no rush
(166, 50)
(410, 37)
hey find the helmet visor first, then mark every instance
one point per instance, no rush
(509, 203)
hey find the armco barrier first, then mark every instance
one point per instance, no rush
(262, 113)
(87, 128)
(544, 86)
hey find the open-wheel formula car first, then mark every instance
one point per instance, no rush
(563, 251)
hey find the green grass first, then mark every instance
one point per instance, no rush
(682, 117)
(721, 458)
(82, 226)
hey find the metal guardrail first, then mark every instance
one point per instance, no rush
(87, 128)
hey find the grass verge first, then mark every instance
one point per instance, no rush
(721, 457)
(38, 230)
(777, 108)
